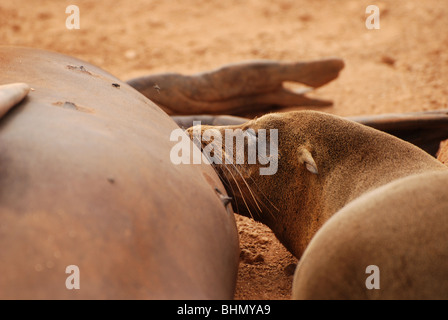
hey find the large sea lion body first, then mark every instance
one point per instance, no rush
(324, 163)
(86, 180)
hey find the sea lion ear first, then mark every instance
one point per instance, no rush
(307, 159)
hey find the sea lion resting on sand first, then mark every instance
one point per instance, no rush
(324, 164)
(86, 180)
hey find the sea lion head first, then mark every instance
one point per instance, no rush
(283, 187)
(309, 165)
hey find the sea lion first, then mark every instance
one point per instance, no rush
(246, 87)
(86, 179)
(324, 163)
(400, 228)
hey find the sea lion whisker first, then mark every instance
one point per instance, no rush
(254, 196)
(225, 181)
(258, 197)
(248, 187)
(264, 195)
(226, 161)
(241, 192)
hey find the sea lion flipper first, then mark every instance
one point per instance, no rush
(238, 89)
(12, 94)
(261, 77)
(313, 73)
(290, 98)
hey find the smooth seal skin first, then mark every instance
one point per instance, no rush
(86, 179)
(401, 228)
(324, 163)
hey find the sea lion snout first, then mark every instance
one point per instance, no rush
(238, 145)
(240, 160)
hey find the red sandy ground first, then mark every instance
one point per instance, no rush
(402, 67)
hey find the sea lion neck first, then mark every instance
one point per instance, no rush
(351, 160)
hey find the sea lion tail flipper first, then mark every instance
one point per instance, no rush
(315, 73)
(260, 77)
(12, 94)
(240, 88)
(291, 98)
